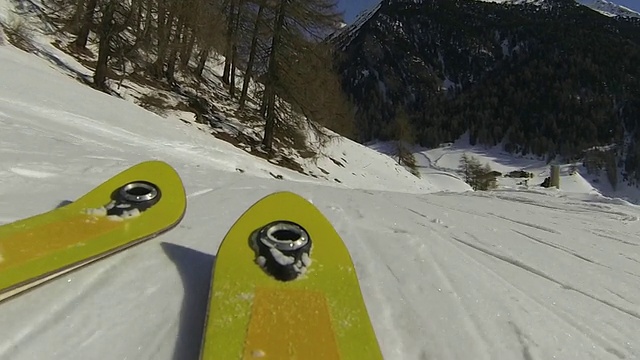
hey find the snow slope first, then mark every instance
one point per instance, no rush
(609, 8)
(509, 274)
(604, 7)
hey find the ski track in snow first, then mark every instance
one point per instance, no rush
(366, 272)
(557, 247)
(104, 158)
(369, 274)
(471, 325)
(30, 173)
(508, 284)
(199, 193)
(563, 316)
(610, 346)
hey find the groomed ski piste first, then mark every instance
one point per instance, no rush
(521, 272)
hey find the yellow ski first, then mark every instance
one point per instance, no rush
(135, 205)
(284, 287)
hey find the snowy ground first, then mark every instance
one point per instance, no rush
(446, 273)
(438, 165)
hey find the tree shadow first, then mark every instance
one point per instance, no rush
(196, 270)
(86, 79)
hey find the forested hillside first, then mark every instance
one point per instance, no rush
(546, 78)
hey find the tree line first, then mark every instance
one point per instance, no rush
(275, 46)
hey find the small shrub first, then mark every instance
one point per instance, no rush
(478, 176)
(406, 158)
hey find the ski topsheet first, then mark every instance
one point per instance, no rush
(135, 205)
(284, 287)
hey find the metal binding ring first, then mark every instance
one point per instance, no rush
(138, 192)
(284, 236)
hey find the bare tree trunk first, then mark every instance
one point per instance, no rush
(76, 20)
(144, 39)
(232, 78)
(175, 47)
(203, 56)
(263, 105)
(252, 55)
(104, 52)
(171, 66)
(164, 32)
(87, 23)
(228, 54)
(272, 75)
(136, 12)
(234, 51)
(187, 52)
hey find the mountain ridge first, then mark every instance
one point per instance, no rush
(604, 7)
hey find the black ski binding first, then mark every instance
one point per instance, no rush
(131, 198)
(282, 249)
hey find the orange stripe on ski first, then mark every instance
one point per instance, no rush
(49, 238)
(290, 324)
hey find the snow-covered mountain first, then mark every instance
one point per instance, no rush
(347, 32)
(603, 6)
(610, 9)
(517, 2)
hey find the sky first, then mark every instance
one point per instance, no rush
(352, 8)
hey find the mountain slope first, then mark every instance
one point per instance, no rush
(548, 80)
(474, 275)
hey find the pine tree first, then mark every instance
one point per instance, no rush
(297, 28)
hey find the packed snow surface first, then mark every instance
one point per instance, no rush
(446, 273)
